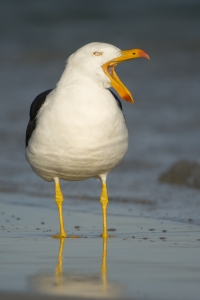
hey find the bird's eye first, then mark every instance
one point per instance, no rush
(96, 53)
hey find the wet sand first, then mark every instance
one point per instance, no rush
(144, 259)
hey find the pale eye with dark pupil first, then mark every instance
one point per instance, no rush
(96, 53)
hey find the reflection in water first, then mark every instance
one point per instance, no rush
(77, 284)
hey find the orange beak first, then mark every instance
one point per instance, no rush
(109, 70)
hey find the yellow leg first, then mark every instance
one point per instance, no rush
(59, 200)
(104, 202)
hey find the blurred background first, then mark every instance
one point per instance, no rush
(164, 123)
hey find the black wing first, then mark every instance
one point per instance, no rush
(117, 100)
(35, 107)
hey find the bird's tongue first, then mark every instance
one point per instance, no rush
(110, 70)
(116, 83)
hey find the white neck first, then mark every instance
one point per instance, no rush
(75, 76)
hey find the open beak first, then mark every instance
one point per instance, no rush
(109, 70)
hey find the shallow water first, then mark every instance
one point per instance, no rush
(164, 124)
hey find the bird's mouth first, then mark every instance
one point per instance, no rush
(109, 70)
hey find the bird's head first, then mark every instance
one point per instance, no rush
(99, 61)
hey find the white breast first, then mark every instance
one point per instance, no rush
(80, 133)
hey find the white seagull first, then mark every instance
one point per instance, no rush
(77, 130)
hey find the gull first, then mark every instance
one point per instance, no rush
(77, 130)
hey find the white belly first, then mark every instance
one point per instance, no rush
(76, 141)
